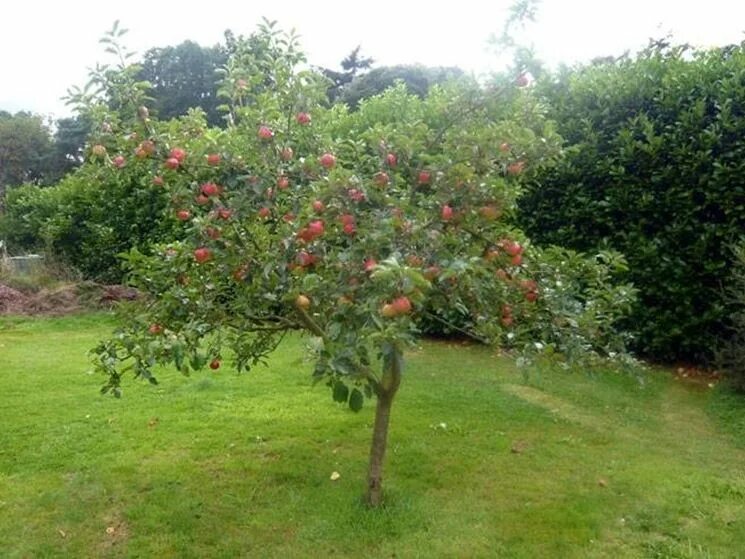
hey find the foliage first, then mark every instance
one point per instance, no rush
(352, 66)
(25, 150)
(731, 354)
(655, 168)
(184, 77)
(89, 218)
(28, 208)
(70, 137)
(417, 79)
(340, 224)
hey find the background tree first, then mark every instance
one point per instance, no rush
(417, 80)
(184, 77)
(353, 66)
(70, 137)
(25, 150)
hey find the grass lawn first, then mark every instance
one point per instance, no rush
(481, 462)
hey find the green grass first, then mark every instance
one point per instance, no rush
(227, 465)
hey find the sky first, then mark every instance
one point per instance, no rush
(47, 46)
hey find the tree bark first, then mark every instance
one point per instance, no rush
(377, 450)
(385, 394)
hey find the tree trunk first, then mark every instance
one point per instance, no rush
(386, 391)
(377, 449)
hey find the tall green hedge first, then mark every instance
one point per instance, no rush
(655, 168)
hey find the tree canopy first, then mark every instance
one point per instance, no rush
(184, 77)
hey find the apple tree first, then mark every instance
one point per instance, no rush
(351, 227)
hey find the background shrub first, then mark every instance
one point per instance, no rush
(655, 168)
(731, 355)
(87, 220)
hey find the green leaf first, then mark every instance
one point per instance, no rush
(340, 392)
(356, 399)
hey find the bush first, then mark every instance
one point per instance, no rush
(28, 207)
(654, 168)
(731, 355)
(88, 219)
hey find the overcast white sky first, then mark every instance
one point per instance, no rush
(46, 46)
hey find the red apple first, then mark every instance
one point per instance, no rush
(349, 228)
(490, 211)
(264, 212)
(303, 119)
(316, 227)
(425, 177)
(531, 296)
(369, 264)
(517, 260)
(172, 163)
(327, 160)
(178, 154)
(381, 179)
(507, 321)
(213, 159)
(155, 329)
(202, 200)
(402, 305)
(513, 248)
(388, 311)
(355, 195)
(148, 147)
(516, 168)
(202, 255)
(286, 154)
(432, 272)
(240, 273)
(305, 259)
(210, 189)
(224, 213)
(283, 183)
(504, 147)
(119, 161)
(265, 133)
(318, 206)
(529, 285)
(391, 160)
(215, 364)
(213, 233)
(183, 215)
(446, 213)
(98, 150)
(158, 181)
